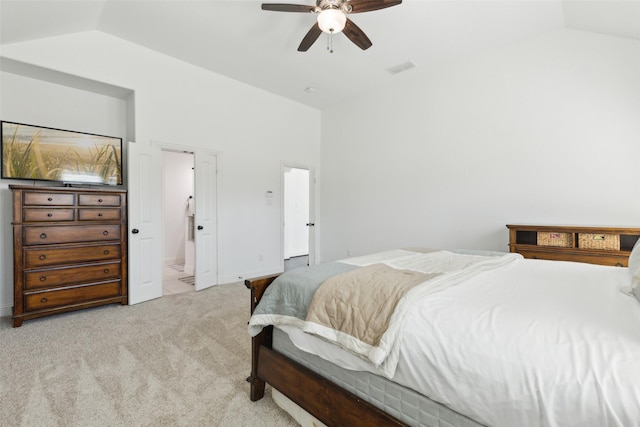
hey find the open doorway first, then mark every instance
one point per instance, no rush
(296, 217)
(146, 201)
(178, 252)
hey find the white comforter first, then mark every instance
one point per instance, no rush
(532, 343)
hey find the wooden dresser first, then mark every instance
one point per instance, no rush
(594, 245)
(69, 249)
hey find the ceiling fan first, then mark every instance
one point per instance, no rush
(332, 18)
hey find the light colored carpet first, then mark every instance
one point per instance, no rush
(180, 360)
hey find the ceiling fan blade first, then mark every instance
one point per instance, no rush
(310, 38)
(284, 7)
(356, 35)
(359, 6)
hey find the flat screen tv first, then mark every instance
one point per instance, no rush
(46, 154)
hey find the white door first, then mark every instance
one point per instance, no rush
(145, 222)
(206, 265)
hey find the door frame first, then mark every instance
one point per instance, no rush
(312, 209)
(167, 146)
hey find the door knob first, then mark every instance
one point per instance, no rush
(135, 231)
(200, 227)
(311, 224)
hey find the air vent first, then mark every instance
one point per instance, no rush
(401, 67)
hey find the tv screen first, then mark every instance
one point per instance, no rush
(47, 154)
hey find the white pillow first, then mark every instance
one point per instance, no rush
(634, 265)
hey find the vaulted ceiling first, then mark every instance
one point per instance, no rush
(238, 39)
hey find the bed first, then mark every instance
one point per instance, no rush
(502, 340)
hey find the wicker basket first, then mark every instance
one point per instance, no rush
(563, 240)
(607, 242)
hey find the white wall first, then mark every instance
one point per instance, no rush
(38, 102)
(181, 104)
(545, 132)
(177, 176)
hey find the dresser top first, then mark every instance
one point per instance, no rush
(105, 189)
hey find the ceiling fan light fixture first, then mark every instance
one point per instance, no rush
(332, 21)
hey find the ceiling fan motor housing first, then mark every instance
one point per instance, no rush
(341, 5)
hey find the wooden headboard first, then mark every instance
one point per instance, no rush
(593, 245)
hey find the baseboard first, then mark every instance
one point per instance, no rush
(231, 278)
(297, 255)
(6, 311)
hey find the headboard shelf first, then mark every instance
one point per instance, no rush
(594, 245)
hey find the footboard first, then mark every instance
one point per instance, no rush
(328, 402)
(257, 287)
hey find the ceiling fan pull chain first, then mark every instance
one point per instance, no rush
(330, 43)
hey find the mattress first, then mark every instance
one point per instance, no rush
(401, 402)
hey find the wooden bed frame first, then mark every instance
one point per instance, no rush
(326, 401)
(334, 405)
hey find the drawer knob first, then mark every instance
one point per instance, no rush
(49, 214)
(100, 214)
(106, 271)
(43, 278)
(42, 257)
(99, 200)
(619, 264)
(43, 300)
(105, 232)
(43, 235)
(50, 199)
(106, 252)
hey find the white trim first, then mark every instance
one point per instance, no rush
(240, 277)
(6, 311)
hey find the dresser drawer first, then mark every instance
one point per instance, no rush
(71, 275)
(35, 214)
(73, 296)
(99, 200)
(40, 257)
(98, 214)
(48, 199)
(70, 234)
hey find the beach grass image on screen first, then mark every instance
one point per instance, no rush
(47, 154)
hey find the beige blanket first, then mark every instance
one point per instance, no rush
(360, 302)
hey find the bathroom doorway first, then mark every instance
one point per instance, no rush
(146, 217)
(178, 206)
